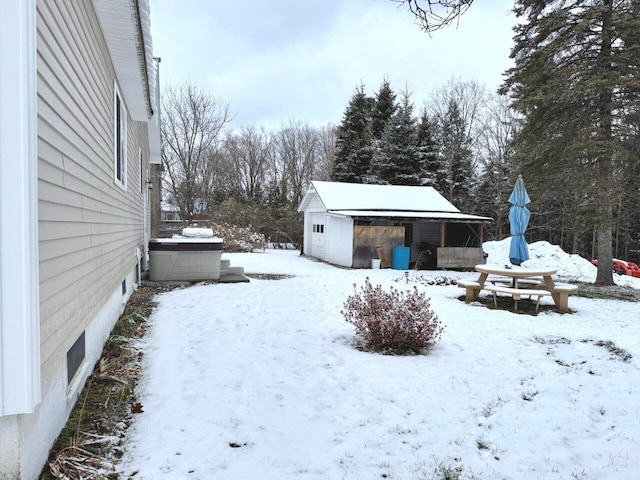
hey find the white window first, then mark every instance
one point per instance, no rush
(119, 140)
(141, 170)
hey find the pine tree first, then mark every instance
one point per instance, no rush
(434, 172)
(457, 158)
(575, 80)
(384, 108)
(397, 161)
(354, 144)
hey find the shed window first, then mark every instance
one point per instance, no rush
(120, 140)
(318, 228)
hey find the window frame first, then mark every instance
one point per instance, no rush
(140, 161)
(76, 359)
(119, 139)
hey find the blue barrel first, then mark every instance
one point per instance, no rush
(400, 258)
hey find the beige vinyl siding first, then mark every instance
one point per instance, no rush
(89, 227)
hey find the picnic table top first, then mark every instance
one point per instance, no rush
(515, 272)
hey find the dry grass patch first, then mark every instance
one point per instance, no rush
(90, 444)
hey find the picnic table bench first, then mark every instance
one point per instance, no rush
(558, 292)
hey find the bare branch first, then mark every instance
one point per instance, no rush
(433, 15)
(192, 125)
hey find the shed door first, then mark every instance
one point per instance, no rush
(317, 235)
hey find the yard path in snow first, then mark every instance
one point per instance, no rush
(261, 380)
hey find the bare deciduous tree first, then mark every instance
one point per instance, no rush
(192, 124)
(495, 152)
(327, 140)
(456, 109)
(301, 153)
(470, 97)
(248, 155)
(297, 147)
(433, 15)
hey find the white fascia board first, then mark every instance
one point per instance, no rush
(155, 142)
(126, 29)
(19, 299)
(435, 216)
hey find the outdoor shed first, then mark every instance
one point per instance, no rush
(350, 224)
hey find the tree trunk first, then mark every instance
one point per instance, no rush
(604, 250)
(604, 184)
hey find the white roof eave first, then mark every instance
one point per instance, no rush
(128, 36)
(438, 216)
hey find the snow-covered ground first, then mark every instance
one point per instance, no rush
(261, 381)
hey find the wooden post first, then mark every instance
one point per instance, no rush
(442, 233)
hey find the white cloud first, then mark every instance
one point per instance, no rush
(285, 59)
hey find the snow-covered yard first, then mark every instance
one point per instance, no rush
(261, 380)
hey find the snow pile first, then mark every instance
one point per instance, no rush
(570, 267)
(193, 232)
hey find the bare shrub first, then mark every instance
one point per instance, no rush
(236, 239)
(393, 321)
(239, 239)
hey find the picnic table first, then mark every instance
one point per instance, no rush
(515, 275)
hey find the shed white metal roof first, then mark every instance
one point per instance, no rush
(357, 196)
(363, 200)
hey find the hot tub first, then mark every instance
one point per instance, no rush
(189, 259)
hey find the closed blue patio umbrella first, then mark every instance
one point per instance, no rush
(519, 219)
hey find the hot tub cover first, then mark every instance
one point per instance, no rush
(181, 244)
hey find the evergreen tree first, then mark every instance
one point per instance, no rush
(354, 144)
(397, 160)
(457, 158)
(434, 172)
(575, 80)
(383, 109)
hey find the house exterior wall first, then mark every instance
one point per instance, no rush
(90, 229)
(19, 319)
(37, 432)
(338, 248)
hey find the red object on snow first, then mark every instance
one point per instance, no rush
(626, 268)
(622, 267)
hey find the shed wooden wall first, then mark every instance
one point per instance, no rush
(375, 242)
(89, 227)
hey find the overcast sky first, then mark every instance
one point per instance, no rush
(282, 60)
